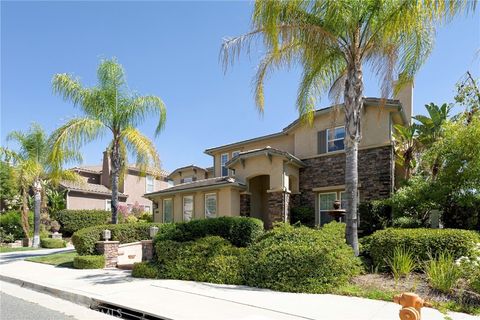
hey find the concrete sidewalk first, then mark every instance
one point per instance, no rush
(173, 299)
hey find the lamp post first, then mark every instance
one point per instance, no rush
(153, 231)
(106, 234)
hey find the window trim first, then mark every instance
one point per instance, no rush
(183, 206)
(327, 140)
(146, 183)
(222, 165)
(163, 209)
(336, 193)
(107, 206)
(205, 203)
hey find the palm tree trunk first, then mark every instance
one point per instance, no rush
(25, 212)
(37, 189)
(353, 108)
(115, 162)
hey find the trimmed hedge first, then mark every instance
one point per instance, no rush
(421, 242)
(210, 259)
(89, 262)
(301, 259)
(239, 231)
(52, 243)
(74, 220)
(84, 240)
(145, 270)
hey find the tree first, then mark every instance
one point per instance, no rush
(406, 147)
(109, 107)
(34, 167)
(333, 40)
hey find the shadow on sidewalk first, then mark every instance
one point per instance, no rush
(108, 278)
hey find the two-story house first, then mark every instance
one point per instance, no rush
(302, 165)
(95, 193)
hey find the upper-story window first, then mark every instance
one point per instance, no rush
(223, 160)
(187, 179)
(335, 139)
(150, 181)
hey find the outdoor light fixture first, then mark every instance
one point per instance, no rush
(153, 231)
(106, 234)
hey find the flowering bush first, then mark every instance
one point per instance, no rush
(470, 269)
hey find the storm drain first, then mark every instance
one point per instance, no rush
(122, 312)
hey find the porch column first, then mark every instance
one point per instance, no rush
(278, 207)
(245, 199)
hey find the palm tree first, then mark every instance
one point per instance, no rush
(34, 168)
(110, 107)
(406, 147)
(333, 40)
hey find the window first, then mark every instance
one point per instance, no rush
(150, 181)
(223, 160)
(343, 200)
(108, 205)
(147, 209)
(167, 210)
(187, 208)
(187, 179)
(325, 203)
(335, 139)
(210, 205)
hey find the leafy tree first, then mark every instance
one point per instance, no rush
(406, 147)
(34, 167)
(109, 107)
(8, 184)
(333, 40)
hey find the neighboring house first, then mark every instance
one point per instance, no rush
(95, 193)
(301, 166)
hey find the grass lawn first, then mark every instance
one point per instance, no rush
(63, 259)
(8, 249)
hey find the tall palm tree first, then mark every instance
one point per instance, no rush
(35, 167)
(111, 108)
(333, 40)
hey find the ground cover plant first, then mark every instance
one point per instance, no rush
(62, 259)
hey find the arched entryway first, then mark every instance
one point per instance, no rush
(258, 186)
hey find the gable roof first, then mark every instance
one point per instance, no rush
(98, 169)
(199, 184)
(368, 101)
(88, 188)
(269, 151)
(191, 166)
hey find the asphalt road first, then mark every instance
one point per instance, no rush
(13, 308)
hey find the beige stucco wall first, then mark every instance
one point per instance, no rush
(188, 172)
(78, 201)
(283, 142)
(228, 203)
(135, 187)
(262, 165)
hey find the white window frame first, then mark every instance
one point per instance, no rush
(338, 196)
(188, 179)
(163, 209)
(216, 204)
(183, 207)
(108, 205)
(328, 140)
(147, 177)
(222, 165)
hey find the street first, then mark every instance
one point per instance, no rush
(13, 308)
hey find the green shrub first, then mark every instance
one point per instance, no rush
(303, 215)
(442, 272)
(421, 242)
(239, 231)
(89, 262)
(52, 243)
(145, 270)
(300, 259)
(406, 223)
(11, 223)
(401, 263)
(374, 215)
(84, 240)
(74, 220)
(210, 259)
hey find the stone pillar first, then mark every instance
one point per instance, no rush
(278, 207)
(147, 250)
(110, 250)
(245, 204)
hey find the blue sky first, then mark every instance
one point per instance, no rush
(171, 49)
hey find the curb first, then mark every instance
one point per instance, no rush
(65, 295)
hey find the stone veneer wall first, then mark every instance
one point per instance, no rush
(278, 208)
(245, 205)
(375, 175)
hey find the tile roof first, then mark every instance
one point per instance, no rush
(98, 169)
(87, 187)
(211, 182)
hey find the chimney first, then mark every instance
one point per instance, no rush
(105, 179)
(405, 95)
